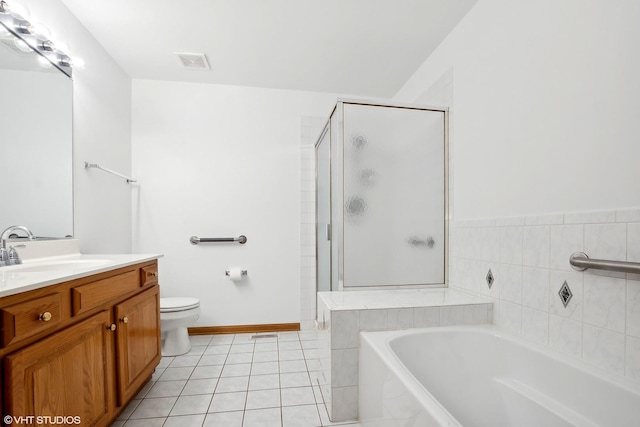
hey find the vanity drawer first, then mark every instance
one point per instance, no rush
(149, 275)
(30, 317)
(94, 294)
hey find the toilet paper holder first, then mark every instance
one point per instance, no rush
(242, 272)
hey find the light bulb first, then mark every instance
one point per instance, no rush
(47, 46)
(19, 11)
(75, 63)
(22, 45)
(39, 31)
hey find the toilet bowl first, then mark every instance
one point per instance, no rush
(176, 314)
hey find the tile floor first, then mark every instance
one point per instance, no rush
(235, 381)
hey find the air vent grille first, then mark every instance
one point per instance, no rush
(193, 61)
(258, 336)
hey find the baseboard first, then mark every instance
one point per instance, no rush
(243, 329)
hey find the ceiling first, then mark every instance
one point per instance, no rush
(354, 47)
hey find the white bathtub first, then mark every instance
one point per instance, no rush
(480, 376)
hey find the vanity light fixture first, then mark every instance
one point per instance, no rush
(4, 7)
(18, 10)
(35, 36)
(47, 46)
(40, 31)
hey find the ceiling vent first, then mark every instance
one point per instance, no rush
(193, 61)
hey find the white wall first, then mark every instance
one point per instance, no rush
(545, 106)
(101, 134)
(220, 161)
(544, 120)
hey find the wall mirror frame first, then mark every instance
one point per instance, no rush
(36, 143)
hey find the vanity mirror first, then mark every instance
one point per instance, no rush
(35, 135)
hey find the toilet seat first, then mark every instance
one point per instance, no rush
(174, 304)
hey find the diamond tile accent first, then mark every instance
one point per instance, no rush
(565, 293)
(490, 278)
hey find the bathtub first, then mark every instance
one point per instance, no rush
(481, 376)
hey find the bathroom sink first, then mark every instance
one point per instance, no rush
(59, 265)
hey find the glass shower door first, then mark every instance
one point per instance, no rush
(323, 212)
(394, 183)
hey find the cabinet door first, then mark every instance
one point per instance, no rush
(69, 374)
(138, 341)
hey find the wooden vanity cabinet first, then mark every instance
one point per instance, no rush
(91, 362)
(138, 345)
(67, 374)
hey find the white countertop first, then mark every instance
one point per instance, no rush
(405, 298)
(41, 272)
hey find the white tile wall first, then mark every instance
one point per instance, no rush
(529, 258)
(632, 363)
(344, 314)
(310, 128)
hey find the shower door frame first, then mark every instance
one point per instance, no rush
(338, 110)
(325, 130)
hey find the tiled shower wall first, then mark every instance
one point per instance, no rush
(310, 128)
(529, 259)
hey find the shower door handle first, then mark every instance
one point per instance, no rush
(328, 231)
(416, 241)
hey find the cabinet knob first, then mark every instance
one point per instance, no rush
(153, 274)
(45, 317)
(112, 327)
(125, 319)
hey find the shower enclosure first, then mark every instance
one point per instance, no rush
(381, 196)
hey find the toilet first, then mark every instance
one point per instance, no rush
(176, 314)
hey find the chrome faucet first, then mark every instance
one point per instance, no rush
(11, 256)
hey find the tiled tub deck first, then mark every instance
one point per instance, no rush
(342, 315)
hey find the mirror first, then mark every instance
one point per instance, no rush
(35, 141)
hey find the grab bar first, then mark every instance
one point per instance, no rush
(240, 239)
(580, 261)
